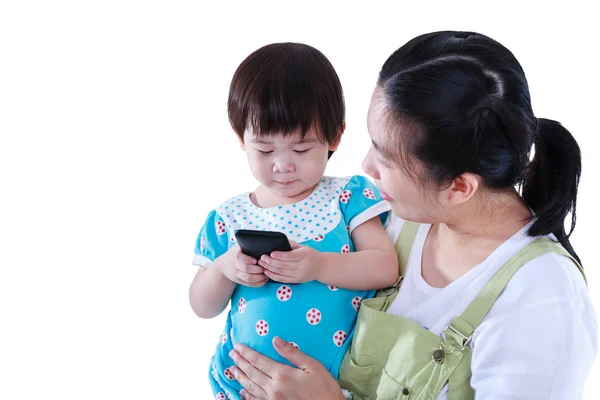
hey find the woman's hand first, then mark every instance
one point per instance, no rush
(266, 379)
(302, 264)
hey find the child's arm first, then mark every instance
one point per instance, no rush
(374, 265)
(212, 287)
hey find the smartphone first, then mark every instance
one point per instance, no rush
(256, 243)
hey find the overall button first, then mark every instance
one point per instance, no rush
(405, 391)
(438, 356)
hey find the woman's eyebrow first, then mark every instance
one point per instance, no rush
(382, 150)
(379, 149)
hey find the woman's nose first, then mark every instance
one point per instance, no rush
(368, 166)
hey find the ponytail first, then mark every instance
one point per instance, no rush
(550, 186)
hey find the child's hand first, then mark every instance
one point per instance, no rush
(299, 265)
(240, 268)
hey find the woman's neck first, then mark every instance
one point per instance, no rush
(497, 220)
(456, 246)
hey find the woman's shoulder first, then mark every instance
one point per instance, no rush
(550, 277)
(547, 283)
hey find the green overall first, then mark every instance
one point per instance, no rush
(394, 358)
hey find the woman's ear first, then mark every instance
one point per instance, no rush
(334, 145)
(463, 188)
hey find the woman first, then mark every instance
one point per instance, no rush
(494, 302)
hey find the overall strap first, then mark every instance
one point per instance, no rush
(404, 244)
(462, 327)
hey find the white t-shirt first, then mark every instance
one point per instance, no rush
(540, 338)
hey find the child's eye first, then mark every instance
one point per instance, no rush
(265, 152)
(301, 151)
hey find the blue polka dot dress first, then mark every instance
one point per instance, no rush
(317, 318)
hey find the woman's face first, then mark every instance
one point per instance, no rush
(397, 187)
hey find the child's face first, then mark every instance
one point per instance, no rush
(289, 167)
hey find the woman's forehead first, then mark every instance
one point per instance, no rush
(378, 114)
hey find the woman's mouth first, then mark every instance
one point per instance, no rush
(385, 196)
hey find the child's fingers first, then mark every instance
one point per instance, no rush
(280, 271)
(284, 256)
(251, 269)
(288, 255)
(280, 278)
(280, 263)
(250, 278)
(254, 283)
(245, 259)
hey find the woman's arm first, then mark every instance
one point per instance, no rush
(265, 379)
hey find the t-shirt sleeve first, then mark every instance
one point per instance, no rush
(360, 201)
(212, 241)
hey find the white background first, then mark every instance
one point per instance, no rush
(115, 144)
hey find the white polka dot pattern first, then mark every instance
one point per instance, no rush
(345, 196)
(356, 303)
(228, 374)
(220, 228)
(313, 316)
(242, 305)
(369, 193)
(262, 328)
(284, 293)
(339, 338)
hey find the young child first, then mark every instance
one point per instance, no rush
(287, 108)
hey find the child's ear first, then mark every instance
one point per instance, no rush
(334, 145)
(240, 139)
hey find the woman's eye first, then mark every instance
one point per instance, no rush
(301, 151)
(383, 161)
(265, 152)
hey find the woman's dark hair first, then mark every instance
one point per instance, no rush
(462, 103)
(283, 87)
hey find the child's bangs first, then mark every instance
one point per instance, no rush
(287, 88)
(283, 109)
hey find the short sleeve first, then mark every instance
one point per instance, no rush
(360, 201)
(212, 241)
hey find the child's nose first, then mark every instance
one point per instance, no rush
(283, 165)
